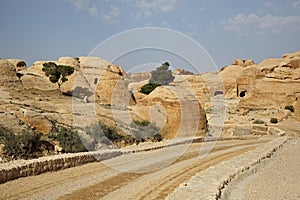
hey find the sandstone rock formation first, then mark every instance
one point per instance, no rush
(8, 76)
(72, 62)
(19, 64)
(36, 121)
(249, 92)
(35, 78)
(175, 110)
(243, 62)
(182, 72)
(138, 77)
(279, 85)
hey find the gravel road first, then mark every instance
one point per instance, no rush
(278, 179)
(143, 175)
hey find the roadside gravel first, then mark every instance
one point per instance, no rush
(278, 179)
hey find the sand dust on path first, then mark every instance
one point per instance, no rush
(278, 179)
(97, 180)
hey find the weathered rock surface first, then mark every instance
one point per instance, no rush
(8, 76)
(175, 109)
(36, 121)
(19, 64)
(35, 78)
(182, 72)
(268, 86)
(138, 77)
(243, 62)
(278, 87)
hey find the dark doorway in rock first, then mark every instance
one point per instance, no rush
(95, 81)
(243, 93)
(218, 93)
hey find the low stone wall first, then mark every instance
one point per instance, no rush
(23, 168)
(229, 130)
(212, 182)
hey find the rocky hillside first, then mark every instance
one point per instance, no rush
(242, 93)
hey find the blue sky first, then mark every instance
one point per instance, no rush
(228, 29)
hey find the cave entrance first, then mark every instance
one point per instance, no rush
(243, 93)
(95, 81)
(218, 93)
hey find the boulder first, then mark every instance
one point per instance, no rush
(112, 87)
(138, 77)
(243, 62)
(268, 93)
(12, 122)
(68, 86)
(229, 76)
(37, 121)
(34, 78)
(179, 112)
(68, 61)
(182, 72)
(291, 55)
(19, 64)
(8, 75)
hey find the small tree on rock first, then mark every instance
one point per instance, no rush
(162, 75)
(57, 73)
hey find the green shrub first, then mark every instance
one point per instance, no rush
(68, 138)
(24, 145)
(148, 88)
(290, 108)
(274, 120)
(157, 137)
(162, 75)
(102, 134)
(258, 121)
(144, 130)
(141, 123)
(57, 73)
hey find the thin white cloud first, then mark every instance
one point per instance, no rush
(252, 24)
(108, 12)
(103, 9)
(147, 8)
(296, 4)
(85, 5)
(112, 16)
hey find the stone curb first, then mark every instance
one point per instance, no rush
(22, 168)
(212, 182)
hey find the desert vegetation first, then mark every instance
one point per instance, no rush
(161, 76)
(57, 73)
(23, 146)
(290, 108)
(258, 121)
(274, 120)
(144, 131)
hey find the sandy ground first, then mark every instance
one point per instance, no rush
(144, 175)
(278, 179)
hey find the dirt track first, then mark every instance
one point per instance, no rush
(159, 173)
(276, 179)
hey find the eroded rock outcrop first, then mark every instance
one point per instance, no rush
(36, 121)
(278, 85)
(243, 62)
(34, 78)
(19, 64)
(175, 110)
(8, 75)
